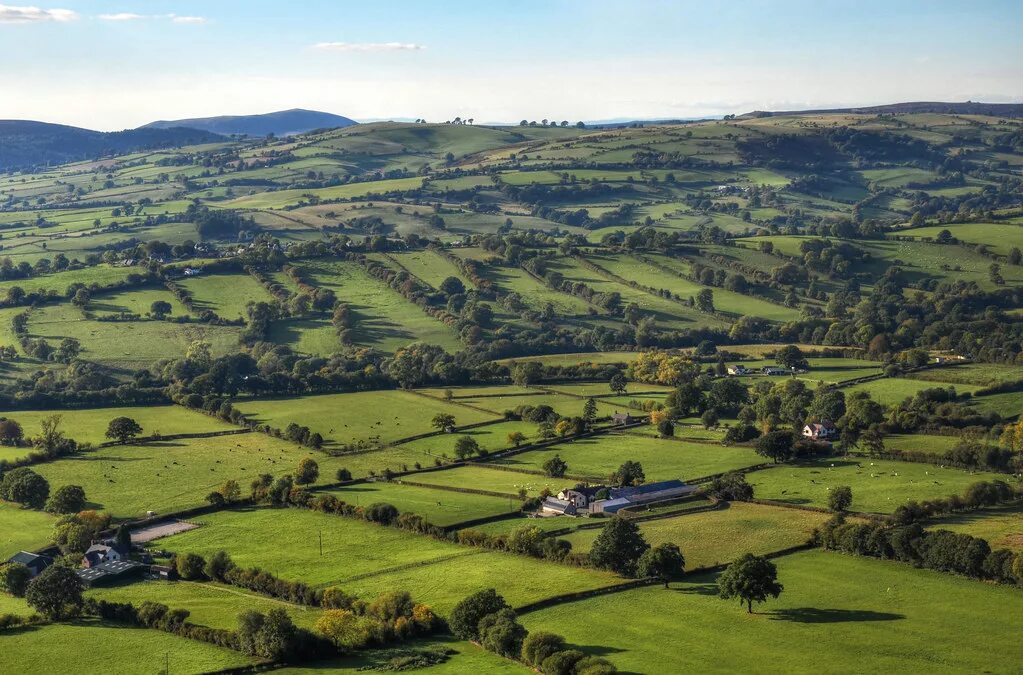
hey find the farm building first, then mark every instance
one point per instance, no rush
(624, 497)
(824, 430)
(559, 507)
(109, 572)
(33, 561)
(773, 370)
(738, 370)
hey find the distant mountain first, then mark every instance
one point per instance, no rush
(967, 108)
(24, 143)
(283, 123)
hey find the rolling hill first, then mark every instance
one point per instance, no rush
(282, 123)
(25, 143)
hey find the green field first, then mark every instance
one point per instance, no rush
(892, 390)
(440, 507)
(128, 480)
(1002, 527)
(662, 459)
(384, 319)
(831, 607)
(379, 417)
(224, 294)
(135, 301)
(932, 445)
(367, 559)
(715, 537)
(89, 425)
(93, 647)
(22, 529)
(209, 604)
(878, 486)
(491, 479)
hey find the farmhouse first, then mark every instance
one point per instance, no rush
(34, 562)
(773, 370)
(824, 430)
(738, 370)
(98, 554)
(580, 496)
(624, 418)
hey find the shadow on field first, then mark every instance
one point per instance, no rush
(816, 615)
(698, 589)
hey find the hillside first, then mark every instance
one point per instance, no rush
(917, 107)
(282, 123)
(25, 143)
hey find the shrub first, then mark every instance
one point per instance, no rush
(465, 617)
(539, 645)
(561, 663)
(190, 566)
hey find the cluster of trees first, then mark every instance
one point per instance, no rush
(488, 620)
(934, 549)
(621, 548)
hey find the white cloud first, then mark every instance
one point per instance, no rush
(13, 14)
(367, 46)
(187, 19)
(121, 16)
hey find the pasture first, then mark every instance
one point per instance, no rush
(892, 390)
(22, 529)
(91, 646)
(89, 425)
(440, 507)
(161, 476)
(832, 605)
(384, 319)
(209, 604)
(662, 459)
(878, 486)
(367, 559)
(377, 417)
(716, 537)
(224, 294)
(1002, 526)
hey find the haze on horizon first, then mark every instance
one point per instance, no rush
(112, 65)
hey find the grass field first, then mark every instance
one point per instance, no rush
(22, 529)
(982, 374)
(491, 479)
(384, 319)
(891, 390)
(135, 301)
(662, 459)
(378, 416)
(431, 267)
(440, 507)
(128, 344)
(90, 646)
(720, 536)
(832, 606)
(209, 604)
(491, 437)
(1002, 527)
(89, 425)
(367, 559)
(574, 359)
(225, 294)
(933, 445)
(128, 480)
(878, 486)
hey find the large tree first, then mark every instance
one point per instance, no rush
(618, 547)
(25, 486)
(751, 579)
(776, 445)
(123, 429)
(56, 593)
(664, 562)
(629, 473)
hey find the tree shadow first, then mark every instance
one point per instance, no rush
(698, 589)
(817, 615)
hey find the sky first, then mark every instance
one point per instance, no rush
(113, 65)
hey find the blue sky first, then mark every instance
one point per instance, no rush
(112, 65)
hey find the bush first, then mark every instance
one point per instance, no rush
(501, 633)
(561, 663)
(465, 617)
(539, 645)
(67, 499)
(14, 578)
(190, 566)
